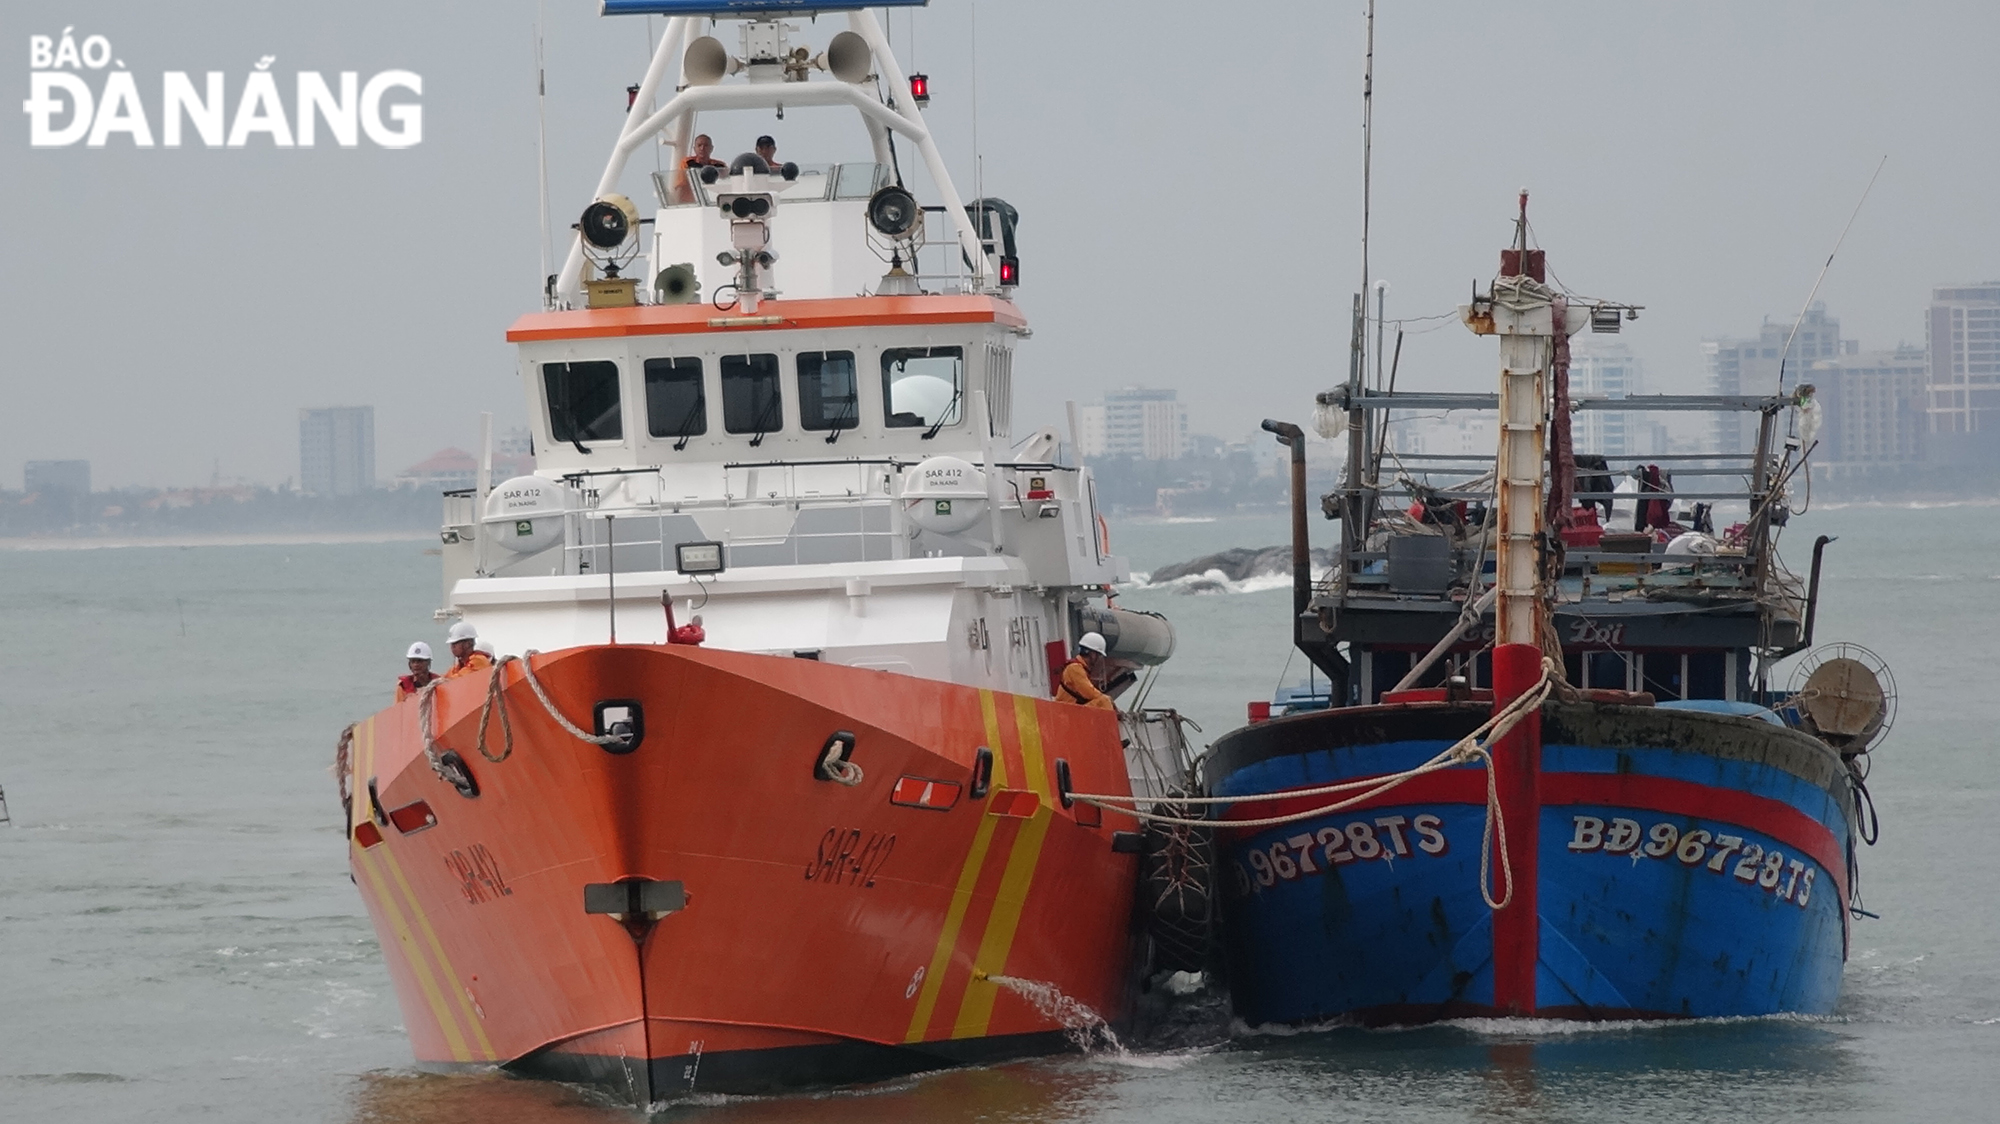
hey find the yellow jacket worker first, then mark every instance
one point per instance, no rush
(1080, 674)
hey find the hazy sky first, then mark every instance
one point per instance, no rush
(1188, 178)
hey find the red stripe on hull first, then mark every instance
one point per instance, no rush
(1773, 818)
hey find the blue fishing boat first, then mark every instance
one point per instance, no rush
(1552, 775)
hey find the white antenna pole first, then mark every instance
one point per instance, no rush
(978, 187)
(1786, 355)
(1367, 155)
(542, 150)
(482, 482)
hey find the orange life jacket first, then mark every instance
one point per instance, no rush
(477, 661)
(1077, 685)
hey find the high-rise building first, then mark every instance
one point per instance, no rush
(1874, 407)
(1145, 423)
(1090, 441)
(337, 450)
(1750, 366)
(56, 478)
(1963, 406)
(1608, 369)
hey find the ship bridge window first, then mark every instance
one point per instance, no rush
(828, 394)
(751, 402)
(675, 404)
(583, 401)
(921, 387)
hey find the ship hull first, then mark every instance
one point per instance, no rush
(806, 933)
(1688, 865)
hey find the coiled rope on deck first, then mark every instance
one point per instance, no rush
(1473, 747)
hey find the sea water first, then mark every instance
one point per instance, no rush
(179, 938)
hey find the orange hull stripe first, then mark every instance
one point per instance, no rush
(975, 1010)
(839, 312)
(961, 896)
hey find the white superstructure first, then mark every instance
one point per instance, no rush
(814, 452)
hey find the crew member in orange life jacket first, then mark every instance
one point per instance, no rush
(420, 675)
(1079, 675)
(464, 641)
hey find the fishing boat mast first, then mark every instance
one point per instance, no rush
(1526, 314)
(1520, 308)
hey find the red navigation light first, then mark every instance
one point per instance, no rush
(631, 97)
(920, 89)
(1010, 271)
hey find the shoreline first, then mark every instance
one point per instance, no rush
(274, 538)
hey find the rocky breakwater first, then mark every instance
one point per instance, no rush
(1241, 569)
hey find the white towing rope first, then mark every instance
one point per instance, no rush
(1472, 747)
(496, 701)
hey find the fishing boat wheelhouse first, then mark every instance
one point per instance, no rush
(1551, 775)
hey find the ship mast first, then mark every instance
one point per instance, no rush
(1520, 309)
(1526, 314)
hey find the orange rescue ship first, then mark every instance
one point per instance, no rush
(767, 788)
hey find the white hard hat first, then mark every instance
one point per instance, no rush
(1091, 642)
(419, 651)
(485, 646)
(463, 630)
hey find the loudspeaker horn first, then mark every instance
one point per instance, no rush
(848, 57)
(705, 62)
(677, 284)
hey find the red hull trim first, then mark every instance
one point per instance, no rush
(1666, 795)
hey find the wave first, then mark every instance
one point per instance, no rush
(1211, 582)
(1496, 1027)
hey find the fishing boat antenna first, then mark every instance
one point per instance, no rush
(1367, 150)
(542, 154)
(1361, 427)
(1785, 356)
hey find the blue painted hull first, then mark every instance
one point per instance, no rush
(1690, 865)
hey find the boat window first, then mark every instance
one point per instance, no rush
(1663, 674)
(750, 397)
(1608, 670)
(675, 404)
(1708, 675)
(921, 387)
(859, 181)
(827, 391)
(583, 401)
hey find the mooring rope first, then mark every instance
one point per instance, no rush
(427, 725)
(838, 769)
(343, 772)
(575, 731)
(1465, 751)
(496, 700)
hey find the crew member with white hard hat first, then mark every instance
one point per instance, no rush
(420, 675)
(1080, 675)
(465, 647)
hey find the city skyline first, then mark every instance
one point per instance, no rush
(1711, 202)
